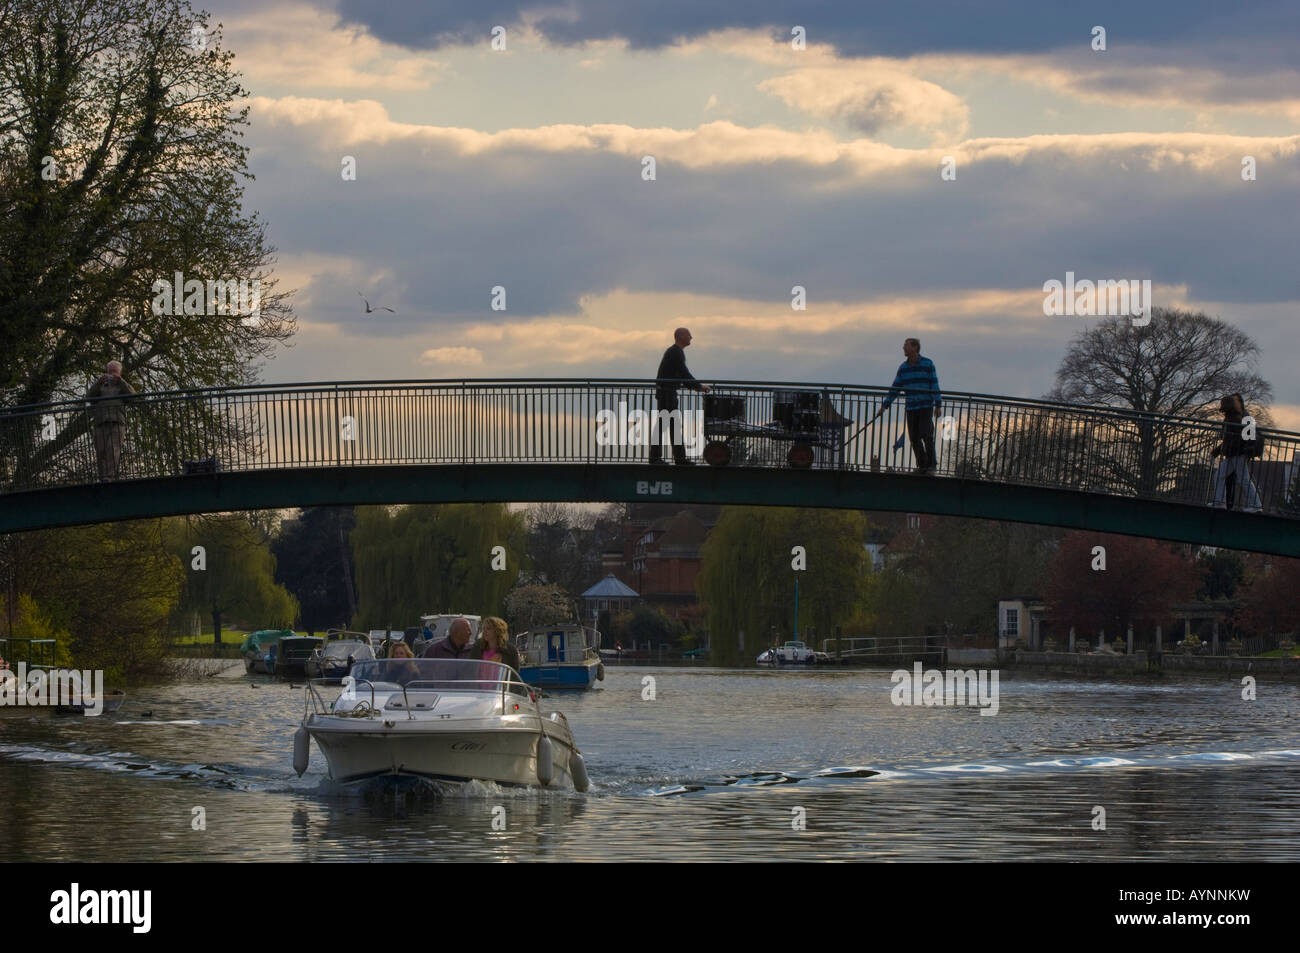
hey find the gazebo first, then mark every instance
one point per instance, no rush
(609, 595)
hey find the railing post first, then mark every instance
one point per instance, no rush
(338, 430)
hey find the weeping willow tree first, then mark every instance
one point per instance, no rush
(229, 573)
(748, 578)
(437, 558)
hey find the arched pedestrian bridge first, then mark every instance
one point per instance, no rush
(586, 440)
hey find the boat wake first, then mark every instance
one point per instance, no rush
(839, 775)
(124, 762)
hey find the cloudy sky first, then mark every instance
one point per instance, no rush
(774, 167)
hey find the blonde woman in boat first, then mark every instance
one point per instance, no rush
(493, 644)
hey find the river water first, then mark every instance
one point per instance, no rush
(719, 765)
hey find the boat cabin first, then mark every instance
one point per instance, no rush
(558, 645)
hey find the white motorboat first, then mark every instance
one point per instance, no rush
(335, 659)
(791, 653)
(441, 719)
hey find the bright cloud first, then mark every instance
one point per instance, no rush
(452, 355)
(873, 96)
(301, 47)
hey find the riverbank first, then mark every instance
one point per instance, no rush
(188, 669)
(1140, 664)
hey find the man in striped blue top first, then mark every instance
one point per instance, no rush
(918, 381)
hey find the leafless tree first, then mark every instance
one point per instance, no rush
(1180, 364)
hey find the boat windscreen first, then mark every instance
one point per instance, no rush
(341, 650)
(444, 673)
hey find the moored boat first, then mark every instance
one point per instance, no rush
(560, 656)
(454, 720)
(292, 655)
(335, 659)
(791, 653)
(256, 649)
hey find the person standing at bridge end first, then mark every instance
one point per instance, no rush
(1234, 466)
(109, 419)
(918, 381)
(672, 373)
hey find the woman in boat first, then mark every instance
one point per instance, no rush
(493, 644)
(403, 671)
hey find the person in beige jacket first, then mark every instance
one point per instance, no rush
(109, 420)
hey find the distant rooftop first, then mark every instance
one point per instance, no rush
(610, 588)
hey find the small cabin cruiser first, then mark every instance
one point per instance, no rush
(455, 720)
(335, 659)
(790, 653)
(257, 649)
(560, 656)
(292, 654)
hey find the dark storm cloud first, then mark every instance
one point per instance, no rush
(554, 226)
(1233, 37)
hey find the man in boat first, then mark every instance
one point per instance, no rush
(455, 645)
(672, 373)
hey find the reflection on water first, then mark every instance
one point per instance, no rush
(716, 767)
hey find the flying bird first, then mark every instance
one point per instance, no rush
(370, 309)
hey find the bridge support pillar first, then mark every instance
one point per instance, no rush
(1130, 639)
(1159, 643)
(1071, 638)
(1214, 638)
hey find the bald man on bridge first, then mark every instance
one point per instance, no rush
(673, 373)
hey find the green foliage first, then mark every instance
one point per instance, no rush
(238, 580)
(950, 577)
(644, 624)
(418, 559)
(31, 622)
(113, 587)
(537, 605)
(747, 579)
(144, 133)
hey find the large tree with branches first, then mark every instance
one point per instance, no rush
(121, 163)
(1179, 364)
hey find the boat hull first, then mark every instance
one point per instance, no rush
(560, 674)
(505, 752)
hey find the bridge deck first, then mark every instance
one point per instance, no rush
(789, 444)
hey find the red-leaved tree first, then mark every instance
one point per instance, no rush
(1141, 581)
(1271, 606)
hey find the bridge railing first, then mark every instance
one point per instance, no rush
(820, 426)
